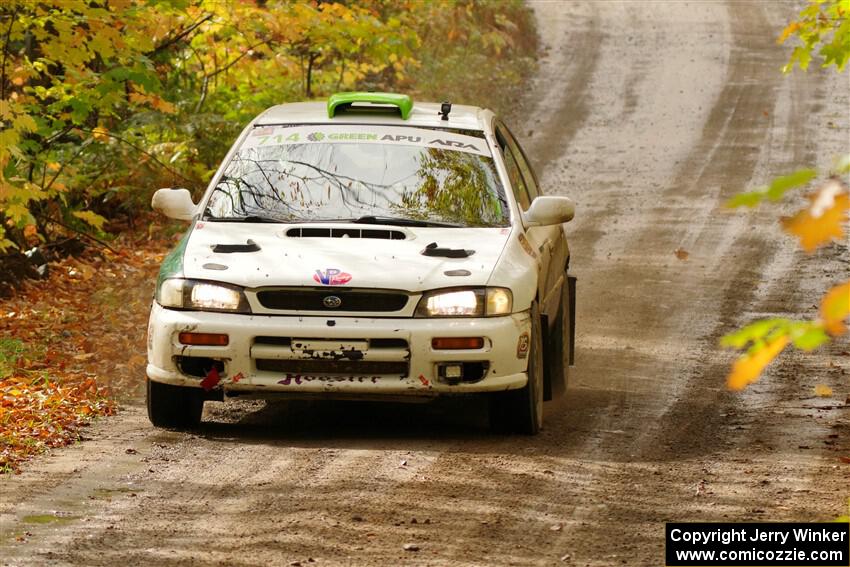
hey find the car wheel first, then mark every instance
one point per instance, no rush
(521, 410)
(559, 345)
(173, 407)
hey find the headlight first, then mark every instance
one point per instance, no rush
(474, 302)
(201, 296)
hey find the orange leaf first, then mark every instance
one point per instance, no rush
(822, 221)
(749, 366)
(835, 307)
(789, 29)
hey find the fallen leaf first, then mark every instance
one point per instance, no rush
(823, 391)
(681, 253)
(844, 460)
(410, 547)
(556, 528)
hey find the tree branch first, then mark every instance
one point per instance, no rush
(182, 34)
(140, 150)
(237, 59)
(6, 54)
(80, 232)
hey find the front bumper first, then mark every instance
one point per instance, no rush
(277, 341)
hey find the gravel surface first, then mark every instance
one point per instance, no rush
(650, 115)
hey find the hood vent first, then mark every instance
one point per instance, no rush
(313, 232)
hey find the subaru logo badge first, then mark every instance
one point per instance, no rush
(331, 301)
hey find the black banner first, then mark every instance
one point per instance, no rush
(758, 545)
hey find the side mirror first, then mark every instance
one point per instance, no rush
(174, 203)
(549, 209)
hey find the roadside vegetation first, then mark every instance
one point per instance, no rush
(102, 103)
(822, 34)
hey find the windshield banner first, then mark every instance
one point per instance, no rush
(359, 134)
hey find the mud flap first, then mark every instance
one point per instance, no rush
(572, 283)
(547, 368)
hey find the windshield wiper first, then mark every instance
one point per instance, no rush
(249, 218)
(398, 221)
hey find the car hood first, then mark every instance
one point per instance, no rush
(255, 255)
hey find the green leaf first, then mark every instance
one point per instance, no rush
(809, 337)
(748, 199)
(754, 332)
(780, 185)
(775, 191)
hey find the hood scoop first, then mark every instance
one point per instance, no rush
(249, 246)
(313, 232)
(434, 250)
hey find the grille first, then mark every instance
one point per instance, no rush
(346, 233)
(351, 367)
(314, 300)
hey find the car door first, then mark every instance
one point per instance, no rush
(549, 241)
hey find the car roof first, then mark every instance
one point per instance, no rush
(423, 114)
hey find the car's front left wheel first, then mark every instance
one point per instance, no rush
(521, 410)
(174, 407)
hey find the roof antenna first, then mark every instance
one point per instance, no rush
(445, 109)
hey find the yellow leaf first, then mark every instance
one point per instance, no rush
(835, 307)
(749, 366)
(24, 123)
(823, 220)
(16, 212)
(100, 134)
(823, 391)
(91, 218)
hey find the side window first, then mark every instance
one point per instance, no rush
(523, 163)
(514, 171)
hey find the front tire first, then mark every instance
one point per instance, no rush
(174, 407)
(521, 411)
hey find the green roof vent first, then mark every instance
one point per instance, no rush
(341, 101)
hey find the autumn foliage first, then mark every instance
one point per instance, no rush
(72, 345)
(822, 28)
(37, 413)
(103, 102)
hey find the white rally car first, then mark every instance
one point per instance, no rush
(366, 248)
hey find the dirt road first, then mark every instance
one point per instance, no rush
(649, 115)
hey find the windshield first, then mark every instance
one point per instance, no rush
(370, 174)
